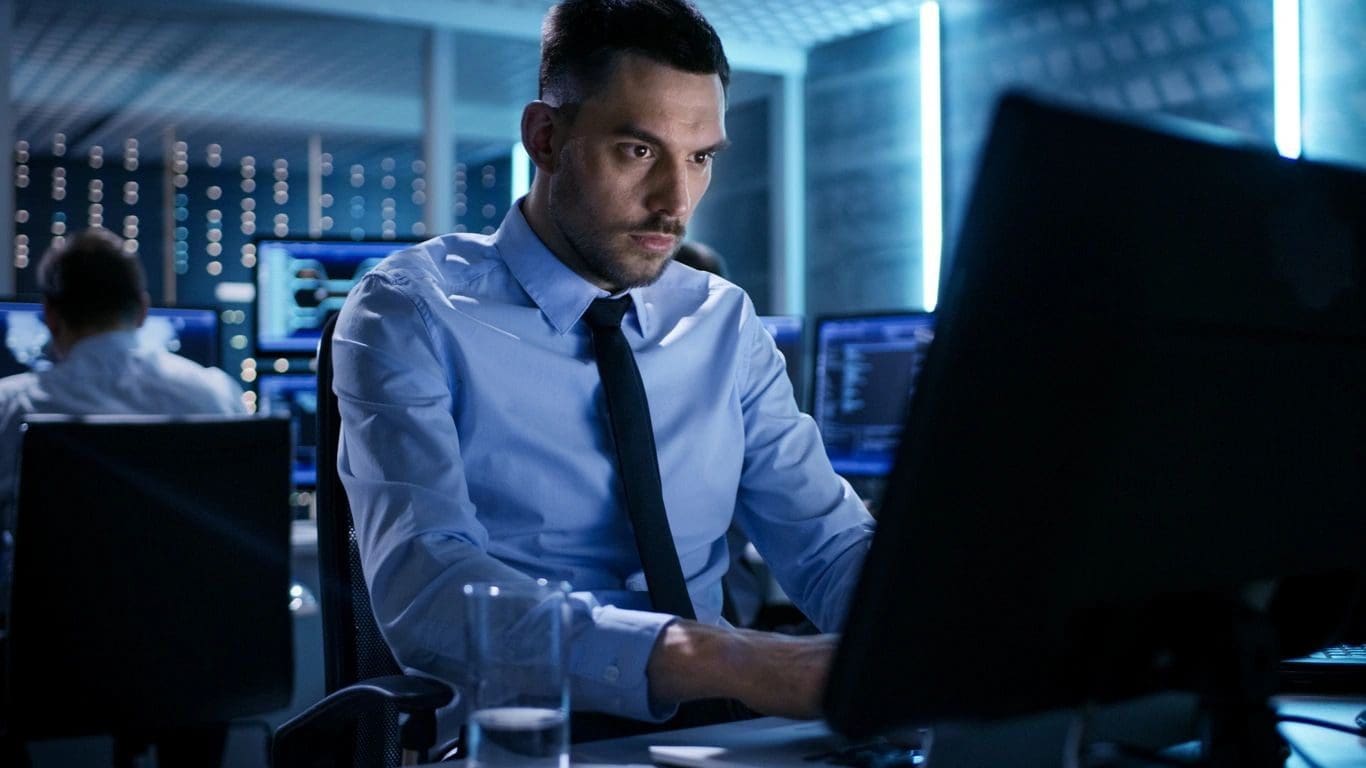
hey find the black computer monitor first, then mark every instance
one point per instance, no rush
(866, 367)
(187, 331)
(1135, 458)
(300, 283)
(294, 396)
(789, 333)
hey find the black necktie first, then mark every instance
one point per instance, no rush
(634, 438)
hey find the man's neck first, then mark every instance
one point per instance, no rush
(536, 211)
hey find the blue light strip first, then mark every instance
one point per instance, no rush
(931, 156)
(521, 172)
(1286, 33)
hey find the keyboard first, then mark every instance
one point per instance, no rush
(1335, 669)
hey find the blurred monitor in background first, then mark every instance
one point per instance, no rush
(185, 331)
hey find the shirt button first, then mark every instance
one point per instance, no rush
(611, 674)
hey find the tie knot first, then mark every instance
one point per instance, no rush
(607, 313)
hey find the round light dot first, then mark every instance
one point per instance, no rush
(249, 375)
(419, 198)
(249, 249)
(238, 342)
(326, 200)
(387, 182)
(249, 398)
(419, 166)
(281, 230)
(419, 228)
(248, 228)
(419, 184)
(130, 164)
(214, 268)
(460, 209)
(248, 186)
(21, 216)
(281, 365)
(214, 249)
(215, 235)
(130, 246)
(249, 362)
(358, 233)
(327, 222)
(215, 215)
(248, 260)
(59, 227)
(280, 198)
(214, 192)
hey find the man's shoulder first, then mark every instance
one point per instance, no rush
(449, 260)
(15, 388)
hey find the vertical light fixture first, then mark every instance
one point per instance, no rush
(521, 172)
(931, 157)
(1286, 37)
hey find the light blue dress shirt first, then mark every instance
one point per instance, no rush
(475, 447)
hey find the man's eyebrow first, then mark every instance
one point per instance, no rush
(636, 132)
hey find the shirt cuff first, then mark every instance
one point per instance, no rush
(608, 661)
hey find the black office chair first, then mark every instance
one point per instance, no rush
(358, 723)
(151, 567)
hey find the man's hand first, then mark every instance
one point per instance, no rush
(770, 673)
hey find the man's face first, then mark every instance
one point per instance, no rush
(634, 163)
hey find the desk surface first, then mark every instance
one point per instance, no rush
(1014, 740)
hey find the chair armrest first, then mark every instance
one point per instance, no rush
(310, 737)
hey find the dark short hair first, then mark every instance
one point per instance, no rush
(580, 40)
(91, 281)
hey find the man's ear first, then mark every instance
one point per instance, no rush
(540, 128)
(144, 303)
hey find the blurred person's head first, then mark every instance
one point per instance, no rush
(630, 115)
(91, 285)
(701, 256)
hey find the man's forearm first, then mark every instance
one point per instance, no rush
(772, 674)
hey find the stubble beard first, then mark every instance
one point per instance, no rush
(593, 244)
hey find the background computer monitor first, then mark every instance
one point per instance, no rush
(789, 333)
(1134, 458)
(187, 331)
(300, 283)
(866, 367)
(294, 396)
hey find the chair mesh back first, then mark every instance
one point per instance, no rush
(354, 649)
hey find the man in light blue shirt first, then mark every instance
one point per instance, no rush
(475, 442)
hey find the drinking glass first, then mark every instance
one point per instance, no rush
(517, 636)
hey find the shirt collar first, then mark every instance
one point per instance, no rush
(101, 344)
(560, 293)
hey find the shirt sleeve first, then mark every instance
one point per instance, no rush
(808, 523)
(419, 534)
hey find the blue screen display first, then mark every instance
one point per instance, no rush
(191, 333)
(865, 373)
(301, 283)
(294, 396)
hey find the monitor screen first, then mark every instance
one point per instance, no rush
(300, 283)
(865, 371)
(188, 332)
(788, 332)
(295, 396)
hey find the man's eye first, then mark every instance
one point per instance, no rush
(640, 151)
(703, 158)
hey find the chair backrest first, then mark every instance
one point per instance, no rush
(151, 574)
(353, 647)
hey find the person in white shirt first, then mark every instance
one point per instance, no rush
(94, 300)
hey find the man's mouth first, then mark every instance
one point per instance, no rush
(655, 242)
